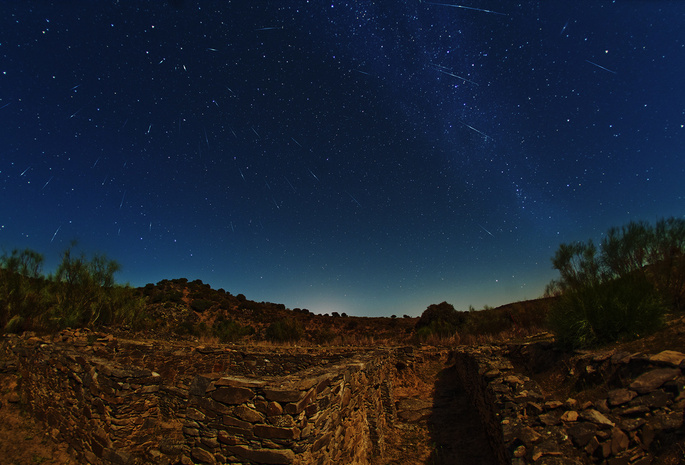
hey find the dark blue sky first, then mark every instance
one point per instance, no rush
(363, 157)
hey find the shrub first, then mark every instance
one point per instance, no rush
(285, 330)
(200, 305)
(621, 290)
(231, 331)
(440, 320)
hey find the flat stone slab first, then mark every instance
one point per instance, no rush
(652, 380)
(668, 357)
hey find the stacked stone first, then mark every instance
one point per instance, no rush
(109, 413)
(616, 429)
(311, 419)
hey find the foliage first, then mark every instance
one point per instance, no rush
(284, 330)
(82, 292)
(622, 289)
(200, 305)
(231, 331)
(439, 320)
(20, 285)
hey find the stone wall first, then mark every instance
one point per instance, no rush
(116, 403)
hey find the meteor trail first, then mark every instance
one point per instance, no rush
(467, 8)
(479, 132)
(310, 172)
(481, 227)
(56, 231)
(46, 184)
(454, 75)
(355, 200)
(601, 67)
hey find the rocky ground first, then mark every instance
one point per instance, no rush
(23, 440)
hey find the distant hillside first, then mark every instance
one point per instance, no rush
(182, 308)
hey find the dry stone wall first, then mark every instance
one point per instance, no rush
(116, 402)
(111, 404)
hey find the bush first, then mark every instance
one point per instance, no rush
(440, 320)
(286, 330)
(200, 305)
(82, 292)
(621, 290)
(230, 331)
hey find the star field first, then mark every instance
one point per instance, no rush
(357, 157)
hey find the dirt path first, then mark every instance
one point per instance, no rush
(23, 440)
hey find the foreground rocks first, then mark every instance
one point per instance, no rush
(127, 402)
(642, 410)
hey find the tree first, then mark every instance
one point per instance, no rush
(440, 320)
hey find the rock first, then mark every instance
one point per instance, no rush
(582, 433)
(232, 395)
(202, 456)
(619, 441)
(620, 396)
(520, 451)
(595, 417)
(553, 404)
(652, 380)
(668, 357)
(528, 435)
(655, 399)
(533, 408)
(550, 419)
(569, 416)
(631, 424)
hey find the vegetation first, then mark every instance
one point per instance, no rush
(622, 289)
(82, 292)
(285, 330)
(231, 331)
(439, 321)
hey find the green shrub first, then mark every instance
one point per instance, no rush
(439, 320)
(622, 308)
(231, 331)
(286, 330)
(622, 290)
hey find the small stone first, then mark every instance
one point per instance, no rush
(595, 417)
(553, 404)
(533, 408)
(520, 451)
(619, 441)
(620, 396)
(569, 416)
(202, 456)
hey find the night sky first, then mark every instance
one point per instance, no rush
(361, 156)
